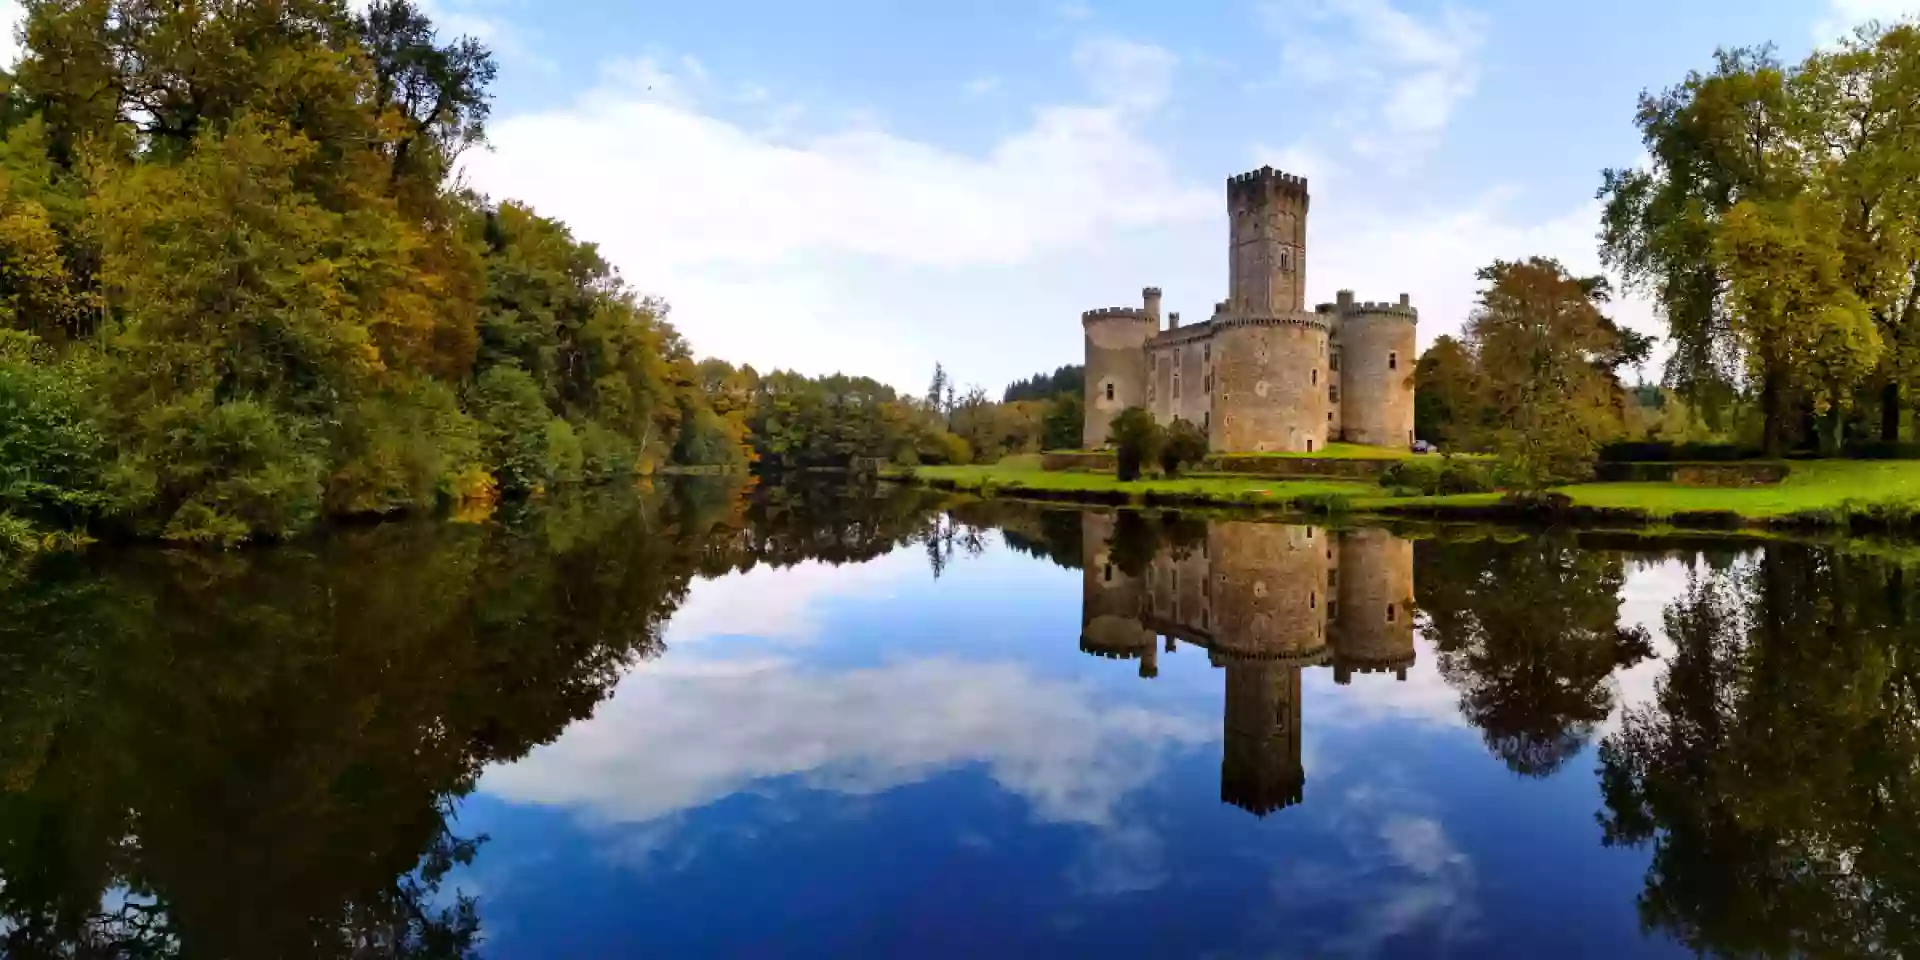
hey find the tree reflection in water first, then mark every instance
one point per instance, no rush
(256, 754)
(1775, 774)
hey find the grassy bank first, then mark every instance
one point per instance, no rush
(1869, 495)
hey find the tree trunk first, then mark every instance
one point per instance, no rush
(1773, 403)
(1890, 412)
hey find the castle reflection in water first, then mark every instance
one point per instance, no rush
(1266, 601)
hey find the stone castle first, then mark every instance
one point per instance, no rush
(1263, 373)
(1265, 601)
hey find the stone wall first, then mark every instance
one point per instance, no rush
(1378, 351)
(1269, 387)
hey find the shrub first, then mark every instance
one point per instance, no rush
(224, 472)
(1450, 476)
(508, 403)
(608, 457)
(404, 449)
(1137, 441)
(1184, 444)
(50, 441)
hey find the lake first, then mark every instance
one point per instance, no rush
(709, 721)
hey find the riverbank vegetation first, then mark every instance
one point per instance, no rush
(241, 291)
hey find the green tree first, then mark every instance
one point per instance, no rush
(1446, 402)
(1544, 349)
(1183, 444)
(1137, 441)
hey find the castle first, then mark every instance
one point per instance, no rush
(1263, 373)
(1265, 601)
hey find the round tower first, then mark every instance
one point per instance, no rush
(1268, 592)
(1373, 627)
(1378, 351)
(1116, 341)
(1270, 384)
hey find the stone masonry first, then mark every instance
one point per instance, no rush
(1263, 373)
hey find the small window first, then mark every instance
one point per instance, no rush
(1393, 361)
(1329, 416)
(1109, 573)
(1309, 444)
(1109, 391)
(1206, 421)
(1206, 383)
(1333, 393)
(1313, 600)
(1393, 613)
(1316, 377)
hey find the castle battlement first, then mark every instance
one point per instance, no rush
(1114, 313)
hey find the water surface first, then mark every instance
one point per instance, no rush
(708, 722)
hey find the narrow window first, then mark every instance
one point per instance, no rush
(1109, 391)
(1329, 416)
(1206, 420)
(1309, 444)
(1207, 383)
(1109, 573)
(1392, 613)
(1333, 393)
(1313, 601)
(1316, 377)
(1393, 361)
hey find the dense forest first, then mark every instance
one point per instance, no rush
(241, 291)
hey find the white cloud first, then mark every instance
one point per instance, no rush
(852, 248)
(786, 604)
(681, 733)
(1842, 16)
(1398, 77)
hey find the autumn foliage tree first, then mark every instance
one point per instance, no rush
(1545, 356)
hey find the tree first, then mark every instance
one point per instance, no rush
(1065, 422)
(1543, 349)
(1446, 403)
(940, 392)
(1136, 439)
(1184, 444)
(1714, 140)
(1803, 329)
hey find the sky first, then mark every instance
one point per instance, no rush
(874, 186)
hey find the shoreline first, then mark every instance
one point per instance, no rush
(1602, 506)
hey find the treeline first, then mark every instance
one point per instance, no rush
(1777, 229)
(239, 290)
(1070, 379)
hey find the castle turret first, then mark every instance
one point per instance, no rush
(1373, 624)
(1116, 378)
(1150, 304)
(1376, 343)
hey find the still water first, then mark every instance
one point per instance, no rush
(721, 723)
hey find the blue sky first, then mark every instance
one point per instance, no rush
(871, 187)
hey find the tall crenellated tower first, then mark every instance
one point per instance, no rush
(1267, 246)
(1377, 348)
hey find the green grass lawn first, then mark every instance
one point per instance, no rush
(1812, 485)
(1016, 473)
